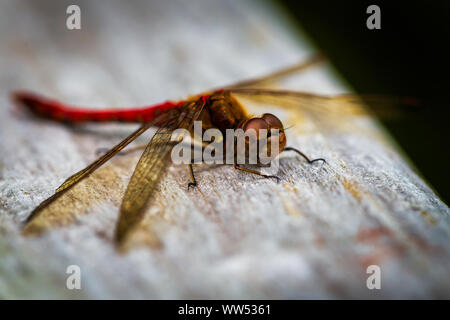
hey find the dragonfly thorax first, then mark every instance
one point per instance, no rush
(225, 111)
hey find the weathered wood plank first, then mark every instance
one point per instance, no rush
(236, 236)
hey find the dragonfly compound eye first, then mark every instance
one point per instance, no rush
(255, 124)
(272, 121)
(275, 123)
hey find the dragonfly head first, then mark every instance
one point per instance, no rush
(267, 127)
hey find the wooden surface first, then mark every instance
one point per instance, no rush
(237, 236)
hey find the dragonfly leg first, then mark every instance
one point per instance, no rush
(303, 155)
(193, 183)
(237, 167)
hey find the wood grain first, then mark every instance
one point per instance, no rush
(237, 236)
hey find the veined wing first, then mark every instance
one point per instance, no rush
(380, 105)
(278, 75)
(150, 168)
(333, 106)
(79, 176)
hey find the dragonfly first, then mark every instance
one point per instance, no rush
(217, 108)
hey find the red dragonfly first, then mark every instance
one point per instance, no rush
(217, 109)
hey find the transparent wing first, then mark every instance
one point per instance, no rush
(278, 75)
(333, 106)
(79, 176)
(150, 168)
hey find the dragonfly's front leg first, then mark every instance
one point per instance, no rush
(303, 155)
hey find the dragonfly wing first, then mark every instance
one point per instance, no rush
(278, 75)
(334, 106)
(150, 169)
(77, 177)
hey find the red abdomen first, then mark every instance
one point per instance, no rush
(55, 110)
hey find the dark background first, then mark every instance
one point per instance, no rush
(408, 56)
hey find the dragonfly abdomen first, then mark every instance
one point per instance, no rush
(56, 111)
